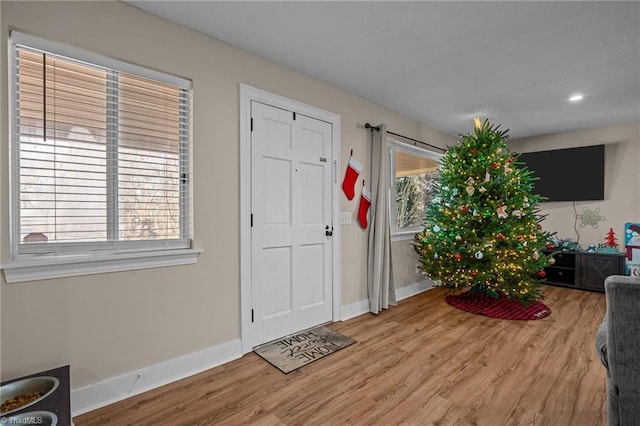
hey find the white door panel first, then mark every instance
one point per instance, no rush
(291, 207)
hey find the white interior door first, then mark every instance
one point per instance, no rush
(291, 271)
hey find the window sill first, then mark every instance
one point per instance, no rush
(404, 236)
(47, 267)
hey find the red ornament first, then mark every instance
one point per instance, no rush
(495, 165)
(474, 151)
(457, 256)
(474, 273)
(511, 159)
(550, 246)
(463, 208)
(542, 274)
(500, 236)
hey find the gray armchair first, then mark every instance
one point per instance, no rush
(618, 345)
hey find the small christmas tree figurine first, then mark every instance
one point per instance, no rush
(610, 240)
(482, 231)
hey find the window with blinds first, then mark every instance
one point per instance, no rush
(99, 155)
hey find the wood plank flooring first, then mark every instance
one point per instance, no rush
(422, 362)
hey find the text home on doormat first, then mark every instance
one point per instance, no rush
(293, 352)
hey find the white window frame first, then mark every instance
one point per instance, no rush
(98, 257)
(402, 234)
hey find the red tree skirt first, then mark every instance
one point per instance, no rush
(502, 307)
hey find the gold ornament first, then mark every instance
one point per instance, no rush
(477, 122)
(470, 190)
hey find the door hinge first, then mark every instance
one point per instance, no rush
(252, 220)
(252, 315)
(252, 124)
(294, 116)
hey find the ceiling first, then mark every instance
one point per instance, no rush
(442, 63)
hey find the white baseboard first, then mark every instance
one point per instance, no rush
(362, 307)
(116, 389)
(112, 390)
(354, 309)
(413, 289)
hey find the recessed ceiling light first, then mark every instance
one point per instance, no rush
(575, 98)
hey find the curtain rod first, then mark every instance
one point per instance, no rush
(369, 126)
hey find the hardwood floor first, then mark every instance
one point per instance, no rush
(422, 362)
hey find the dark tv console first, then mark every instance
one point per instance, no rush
(583, 270)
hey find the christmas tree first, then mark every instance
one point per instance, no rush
(611, 240)
(482, 231)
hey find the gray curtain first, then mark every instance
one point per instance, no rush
(382, 292)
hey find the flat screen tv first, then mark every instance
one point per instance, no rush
(574, 174)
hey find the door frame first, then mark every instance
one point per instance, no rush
(247, 95)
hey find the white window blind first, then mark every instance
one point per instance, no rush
(99, 156)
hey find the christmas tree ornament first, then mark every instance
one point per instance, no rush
(470, 190)
(458, 237)
(471, 180)
(463, 208)
(435, 256)
(551, 261)
(542, 273)
(511, 159)
(457, 256)
(495, 165)
(487, 213)
(487, 176)
(363, 209)
(517, 213)
(351, 177)
(474, 151)
(507, 169)
(502, 212)
(482, 190)
(474, 273)
(478, 255)
(500, 236)
(436, 228)
(475, 212)
(536, 255)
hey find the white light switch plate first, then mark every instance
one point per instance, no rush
(345, 218)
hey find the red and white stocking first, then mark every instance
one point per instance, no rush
(363, 210)
(350, 177)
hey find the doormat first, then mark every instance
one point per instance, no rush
(502, 307)
(298, 350)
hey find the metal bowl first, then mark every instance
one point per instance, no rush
(40, 418)
(44, 385)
